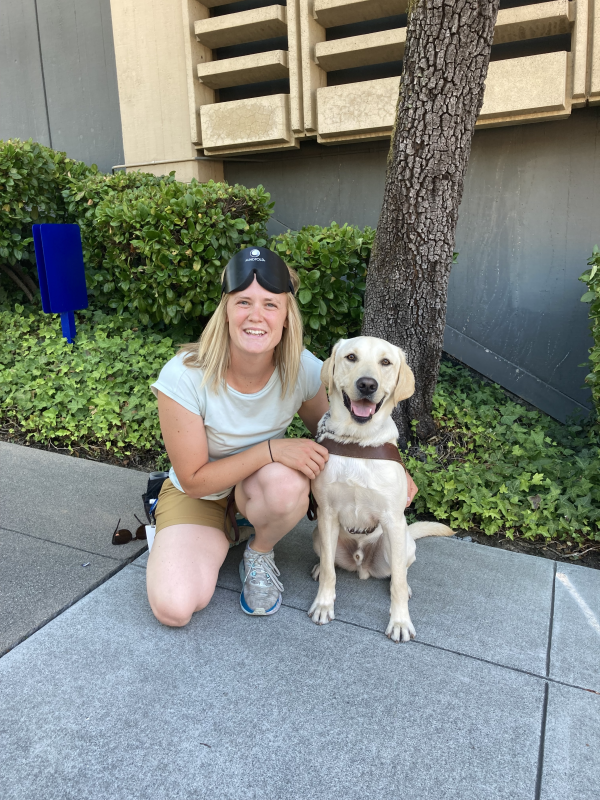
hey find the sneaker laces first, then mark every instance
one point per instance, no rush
(265, 563)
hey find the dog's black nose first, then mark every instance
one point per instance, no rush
(366, 385)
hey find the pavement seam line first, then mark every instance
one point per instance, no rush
(540, 765)
(62, 609)
(551, 623)
(415, 642)
(61, 544)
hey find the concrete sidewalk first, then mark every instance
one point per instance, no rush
(498, 697)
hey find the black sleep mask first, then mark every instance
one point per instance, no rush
(270, 270)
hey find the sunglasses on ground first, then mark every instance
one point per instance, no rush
(123, 536)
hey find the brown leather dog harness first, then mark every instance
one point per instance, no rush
(385, 452)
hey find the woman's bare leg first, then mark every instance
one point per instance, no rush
(182, 571)
(274, 499)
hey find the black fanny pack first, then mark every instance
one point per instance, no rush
(150, 496)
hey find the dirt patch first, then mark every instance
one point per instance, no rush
(142, 460)
(587, 555)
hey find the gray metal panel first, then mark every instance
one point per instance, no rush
(529, 218)
(81, 80)
(22, 103)
(528, 221)
(319, 184)
(510, 376)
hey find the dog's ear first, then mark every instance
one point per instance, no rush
(405, 387)
(328, 367)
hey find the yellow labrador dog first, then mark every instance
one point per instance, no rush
(361, 524)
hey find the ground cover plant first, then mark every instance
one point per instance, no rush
(91, 395)
(497, 465)
(494, 466)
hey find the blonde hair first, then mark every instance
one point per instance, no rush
(211, 352)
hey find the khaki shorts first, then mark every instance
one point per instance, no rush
(177, 508)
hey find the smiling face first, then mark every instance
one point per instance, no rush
(256, 319)
(367, 374)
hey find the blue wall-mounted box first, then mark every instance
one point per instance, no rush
(61, 272)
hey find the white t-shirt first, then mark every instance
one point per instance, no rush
(235, 421)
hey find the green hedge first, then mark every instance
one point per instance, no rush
(332, 265)
(156, 248)
(32, 179)
(591, 278)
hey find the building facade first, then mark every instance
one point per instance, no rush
(301, 97)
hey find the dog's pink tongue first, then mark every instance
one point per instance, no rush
(362, 408)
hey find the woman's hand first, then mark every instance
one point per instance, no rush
(411, 489)
(306, 456)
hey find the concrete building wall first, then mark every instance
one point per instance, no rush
(58, 78)
(154, 46)
(529, 218)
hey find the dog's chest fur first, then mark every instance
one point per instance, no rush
(359, 489)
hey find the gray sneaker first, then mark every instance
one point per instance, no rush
(261, 592)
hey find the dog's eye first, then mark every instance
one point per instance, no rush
(386, 362)
(351, 357)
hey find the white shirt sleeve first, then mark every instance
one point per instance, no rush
(310, 375)
(182, 384)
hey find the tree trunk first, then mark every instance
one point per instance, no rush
(448, 44)
(23, 281)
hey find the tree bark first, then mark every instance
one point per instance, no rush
(448, 44)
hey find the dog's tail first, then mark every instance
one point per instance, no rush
(420, 529)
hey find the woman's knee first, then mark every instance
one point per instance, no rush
(176, 611)
(182, 571)
(283, 489)
(171, 615)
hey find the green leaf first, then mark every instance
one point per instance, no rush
(305, 296)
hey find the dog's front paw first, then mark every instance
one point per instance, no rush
(321, 612)
(400, 630)
(316, 571)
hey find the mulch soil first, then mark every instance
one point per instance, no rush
(587, 554)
